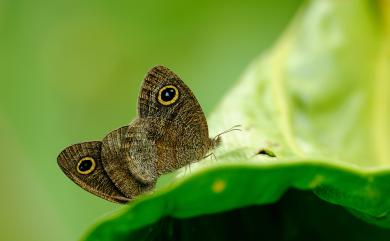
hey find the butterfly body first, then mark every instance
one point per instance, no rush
(170, 132)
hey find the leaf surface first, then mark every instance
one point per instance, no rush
(315, 116)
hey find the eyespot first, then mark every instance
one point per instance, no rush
(86, 165)
(168, 95)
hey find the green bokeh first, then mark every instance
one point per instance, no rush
(70, 71)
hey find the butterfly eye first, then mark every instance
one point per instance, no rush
(86, 165)
(168, 95)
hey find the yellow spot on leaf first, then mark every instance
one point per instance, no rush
(317, 180)
(218, 186)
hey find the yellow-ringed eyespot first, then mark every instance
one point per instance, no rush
(168, 95)
(86, 165)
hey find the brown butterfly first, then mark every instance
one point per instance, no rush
(170, 132)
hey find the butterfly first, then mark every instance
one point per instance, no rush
(170, 132)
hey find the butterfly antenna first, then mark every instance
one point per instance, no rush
(234, 128)
(217, 139)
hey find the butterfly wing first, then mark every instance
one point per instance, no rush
(116, 166)
(150, 104)
(82, 164)
(140, 151)
(170, 120)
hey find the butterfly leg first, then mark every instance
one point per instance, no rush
(213, 157)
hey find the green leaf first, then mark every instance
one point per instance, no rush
(315, 116)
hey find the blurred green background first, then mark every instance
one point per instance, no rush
(70, 71)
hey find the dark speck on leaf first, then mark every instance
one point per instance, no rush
(266, 152)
